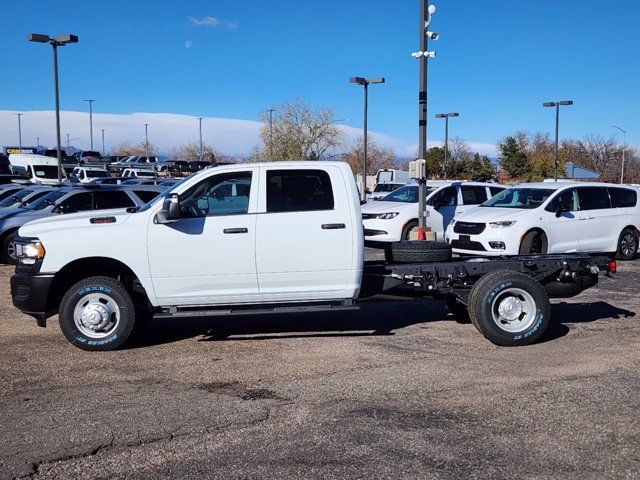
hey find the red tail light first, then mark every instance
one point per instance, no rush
(613, 266)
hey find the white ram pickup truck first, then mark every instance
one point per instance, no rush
(256, 238)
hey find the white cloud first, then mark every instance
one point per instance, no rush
(188, 44)
(204, 21)
(213, 22)
(228, 135)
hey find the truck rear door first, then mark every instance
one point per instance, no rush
(305, 238)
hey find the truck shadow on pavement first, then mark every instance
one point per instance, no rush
(373, 319)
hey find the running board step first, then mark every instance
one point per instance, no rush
(177, 312)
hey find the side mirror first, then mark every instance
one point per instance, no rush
(562, 209)
(170, 209)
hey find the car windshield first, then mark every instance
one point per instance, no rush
(519, 197)
(146, 174)
(386, 187)
(405, 194)
(16, 197)
(45, 171)
(97, 173)
(47, 200)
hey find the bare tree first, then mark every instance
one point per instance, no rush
(298, 132)
(128, 148)
(459, 150)
(189, 152)
(377, 156)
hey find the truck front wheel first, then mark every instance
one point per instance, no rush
(509, 308)
(97, 314)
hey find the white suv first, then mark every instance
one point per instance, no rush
(392, 218)
(551, 217)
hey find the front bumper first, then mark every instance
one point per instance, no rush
(29, 292)
(480, 244)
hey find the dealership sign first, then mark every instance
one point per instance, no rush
(10, 150)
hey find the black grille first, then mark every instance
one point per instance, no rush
(469, 228)
(462, 245)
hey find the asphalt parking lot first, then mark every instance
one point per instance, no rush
(398, 389)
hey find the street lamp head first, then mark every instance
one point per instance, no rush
(566, 102)
(549, 104)
(358, 80)
(454, 114)
(39, 38)
(66, 38)
(440, 115)
(432, 9)
(376, 80)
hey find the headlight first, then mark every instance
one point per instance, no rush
(503, 224)
(388, 216)
(29, 252)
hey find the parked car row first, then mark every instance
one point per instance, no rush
(23, 203)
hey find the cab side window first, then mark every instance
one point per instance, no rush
(447, 197)
(567, 198)
(473, 195)
(225, 194)
(299, 191)
(114, 199)
(78, 202)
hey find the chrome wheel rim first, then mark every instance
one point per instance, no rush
(96, 315)
(11, 250)
(514, 310)
(628, 245)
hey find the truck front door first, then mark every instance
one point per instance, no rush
(209, 255)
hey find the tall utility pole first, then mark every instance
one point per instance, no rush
(426, 11)
(200, 129)
(624, 151)
(146, 140)
(271, 110)
(365, 82)
(103, 142)
(19, 115)
(91, 121)
(37, 141)
(446, 138)
(68, 140)
(58, 40)
(555, 155)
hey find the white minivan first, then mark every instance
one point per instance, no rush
(551, 217)
(392, 218)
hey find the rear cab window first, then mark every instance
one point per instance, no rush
(299, 190)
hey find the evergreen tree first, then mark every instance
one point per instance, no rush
(513, 159)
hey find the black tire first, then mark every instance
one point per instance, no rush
(496, 287)
(406, 231)
(420, 252)
(103, 287)
(533, 243)
(7, 254)
(627, 245)
(456, 308)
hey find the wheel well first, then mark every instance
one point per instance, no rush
(545, 238)
(82, 268)
(629, 227)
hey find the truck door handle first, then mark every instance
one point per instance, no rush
(236, 230)
(333, 226)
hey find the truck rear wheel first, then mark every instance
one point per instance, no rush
(97, 314)
(509, 308)
(420, 252)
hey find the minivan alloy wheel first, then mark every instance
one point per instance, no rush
(628, 244)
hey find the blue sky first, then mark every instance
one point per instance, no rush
(497, 61)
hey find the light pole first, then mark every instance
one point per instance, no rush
(57, 41)
(37, 141)
(624, 151)
(68, 140)
(555, 155)
(19, 115)
(446, 137)
(146, 140)
(426, 11)
(103, 142)
(271, 110)
(90, 121)
(365, 83)
(200, 129)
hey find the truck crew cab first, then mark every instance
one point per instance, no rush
(271, 237)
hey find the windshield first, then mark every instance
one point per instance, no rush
(405, 194)
(90, 154)
(526, 198)
(16, 197)
(44, 202)
(45, 171)
(386, 187)
(97, 173)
